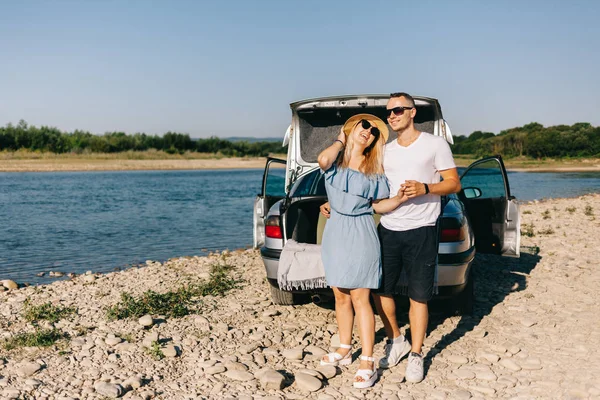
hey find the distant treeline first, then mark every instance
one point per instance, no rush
(48, 139)
(533, 140)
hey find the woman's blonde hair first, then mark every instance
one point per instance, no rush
(373, 162)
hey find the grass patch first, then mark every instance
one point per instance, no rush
(527, 230)
(46, 312)
(547, 231)
(155, 351)
(526, 212)
(589, 211)
(219, 282)
(546, 214)
(171, 304)
(39, 338)
(174, 303)
(571, 209)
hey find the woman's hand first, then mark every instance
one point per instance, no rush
(401, 195)
(325, 210)
(342, 136)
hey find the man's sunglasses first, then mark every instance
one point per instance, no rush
(366, 125)
(396, 110)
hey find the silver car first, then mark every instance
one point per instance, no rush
(482, 217)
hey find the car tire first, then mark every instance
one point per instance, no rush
(466, 299)
(282, 298)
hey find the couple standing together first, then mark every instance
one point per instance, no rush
(359, 259)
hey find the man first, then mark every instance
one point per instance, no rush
(408, 235)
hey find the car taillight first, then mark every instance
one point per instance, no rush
(451, 230)
(272, 228)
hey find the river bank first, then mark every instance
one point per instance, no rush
(534, 334)
(153, 160)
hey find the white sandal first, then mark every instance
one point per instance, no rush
(336, 358)
(369, 376)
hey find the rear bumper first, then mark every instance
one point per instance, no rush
(453, 270)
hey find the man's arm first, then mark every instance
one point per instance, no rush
(450, 184)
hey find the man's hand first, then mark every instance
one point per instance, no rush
(413, 189)
(325, 210)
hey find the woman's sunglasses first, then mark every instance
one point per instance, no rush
(396, 110)
(367, 125)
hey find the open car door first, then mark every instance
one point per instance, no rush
(492, 211)
(273, 190)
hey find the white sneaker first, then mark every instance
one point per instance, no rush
(395, 350)
(414, 368)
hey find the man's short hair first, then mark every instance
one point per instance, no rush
(405, 95)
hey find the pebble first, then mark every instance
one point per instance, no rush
(28, 369)
(460, 394)
(464, 374)
(483, 389)
(135, 382)
(217, 369)
(457, 359)
(272, 379)
(146, 321)
(526, 322)
(311, 372)
(33, 382)
(315, 351)
(510, 364)
(238, 375)
(233, 365)
(10, 284)
(328, 371)
(171, 350)
(486, 375)
(107, 389)
(308, 383)
(249, 348)
(111, 341)
(293, 354)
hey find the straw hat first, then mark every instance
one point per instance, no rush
(373, 120)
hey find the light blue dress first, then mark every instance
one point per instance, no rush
(350, 248)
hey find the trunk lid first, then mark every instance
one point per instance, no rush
(317, 122)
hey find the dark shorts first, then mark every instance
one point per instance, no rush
(414, 251)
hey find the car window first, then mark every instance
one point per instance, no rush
(487, 177)
(275, 182)
(311, 184)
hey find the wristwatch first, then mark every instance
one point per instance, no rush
(426, 188)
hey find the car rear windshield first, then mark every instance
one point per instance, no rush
(320, 126)
(311, 184)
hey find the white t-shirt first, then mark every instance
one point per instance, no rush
(420, 161)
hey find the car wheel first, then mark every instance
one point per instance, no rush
(466, 299)
(281, 297)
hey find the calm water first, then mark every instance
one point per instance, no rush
(79, 221)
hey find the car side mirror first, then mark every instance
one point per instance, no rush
(472, 192)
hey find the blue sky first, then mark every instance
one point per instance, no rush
(231, 68)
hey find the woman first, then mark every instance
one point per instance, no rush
(351, 254)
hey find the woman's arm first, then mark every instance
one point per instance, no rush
(328, 156)
(386, 205)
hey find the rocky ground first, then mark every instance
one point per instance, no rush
(535, 332)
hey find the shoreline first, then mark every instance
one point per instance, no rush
(240, 345)
(99, 164)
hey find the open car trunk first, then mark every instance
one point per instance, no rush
(303, 221)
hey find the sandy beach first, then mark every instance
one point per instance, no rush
(34, 162)
(44, 165)
(535, 333)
